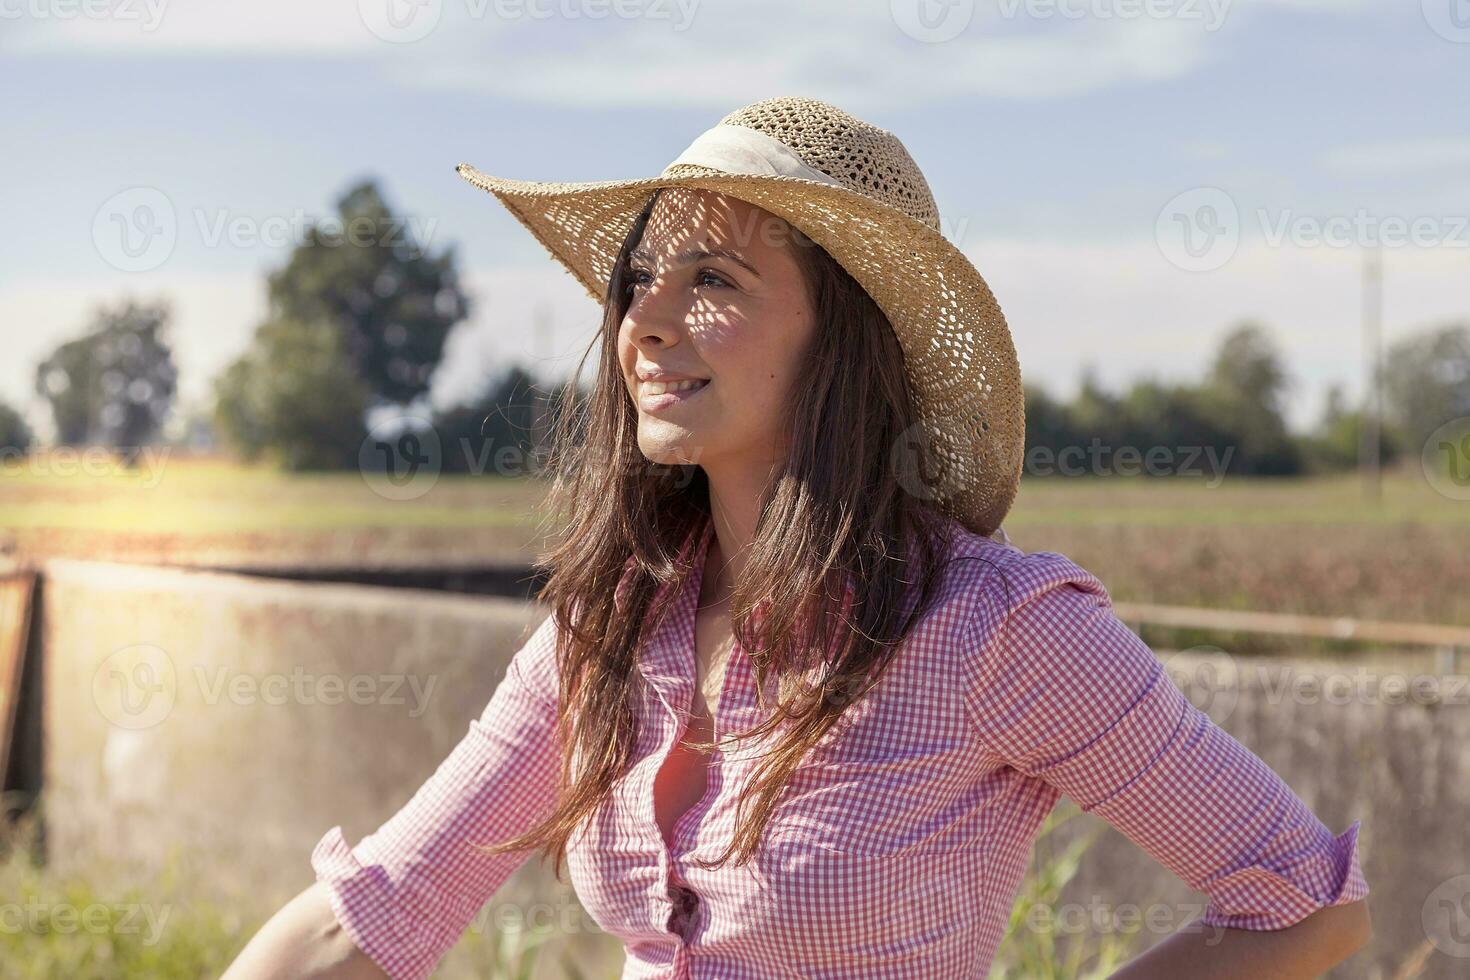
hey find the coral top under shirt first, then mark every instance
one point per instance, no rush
(899, 846)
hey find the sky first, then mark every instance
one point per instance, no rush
(1132, 177)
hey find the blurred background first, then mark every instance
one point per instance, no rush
(276, 384)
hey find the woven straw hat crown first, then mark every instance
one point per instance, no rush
(862, 157)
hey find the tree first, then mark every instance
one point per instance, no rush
(293, 398)
(1244, 393)
(474, 437)
(369, 275)
(114, 385)
(14, 433)
(1426, 381)
(1335, 443)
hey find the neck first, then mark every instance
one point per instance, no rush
(734, 499)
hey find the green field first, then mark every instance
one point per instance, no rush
(1314, 546)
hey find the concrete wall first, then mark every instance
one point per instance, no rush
(207, 771)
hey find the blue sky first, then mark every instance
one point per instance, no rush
(1068, 143)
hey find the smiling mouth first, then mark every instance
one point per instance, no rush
(656, 395)
(661, 387)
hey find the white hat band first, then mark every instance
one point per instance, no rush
(735, 149)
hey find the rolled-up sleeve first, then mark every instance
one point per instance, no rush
(407, 891)
(1060, 689)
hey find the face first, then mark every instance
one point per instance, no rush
(717, 295)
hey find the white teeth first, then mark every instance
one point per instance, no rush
(662, 387)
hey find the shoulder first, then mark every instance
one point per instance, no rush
(1016, 617)
(987, 582)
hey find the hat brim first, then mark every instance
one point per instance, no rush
(958, 351)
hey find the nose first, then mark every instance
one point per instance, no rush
(656, 317)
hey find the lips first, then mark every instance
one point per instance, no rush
(675, 394)
(679, 384)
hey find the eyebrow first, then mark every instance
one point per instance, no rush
(694, 254)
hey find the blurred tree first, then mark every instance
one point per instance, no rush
(393, 301)
(293, 398)
(1426, 381)
(1335, 443)
(494, 433)
(114, 385)
(14, 433)
(1244, 394)
(1048, 421)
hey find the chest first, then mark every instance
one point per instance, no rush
(682, 778)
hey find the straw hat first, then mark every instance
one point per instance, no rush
(853, 189)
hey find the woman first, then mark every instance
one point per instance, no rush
(800, 708)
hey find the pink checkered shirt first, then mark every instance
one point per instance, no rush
(899, 847)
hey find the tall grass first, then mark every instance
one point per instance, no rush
(1030, 952)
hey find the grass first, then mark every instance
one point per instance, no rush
(85, 928)
(1031, 951)
(103, 926)
(180, 495)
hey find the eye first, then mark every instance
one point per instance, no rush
(712, 274)
(636, 279)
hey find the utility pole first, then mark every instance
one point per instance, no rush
(1369, 436)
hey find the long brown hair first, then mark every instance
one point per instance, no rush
(841, 512)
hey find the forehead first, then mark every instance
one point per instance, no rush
(687, 215)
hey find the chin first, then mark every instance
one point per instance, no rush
(670, 450)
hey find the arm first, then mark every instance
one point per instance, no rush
(1064, 692)
(1307, 949)
(406, 893)
(303, 941)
